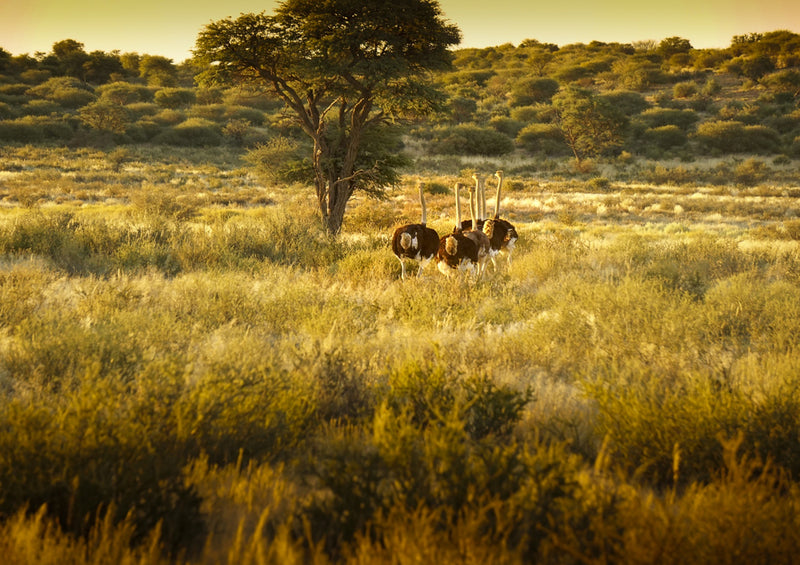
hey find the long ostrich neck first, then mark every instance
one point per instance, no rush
(422, 204)
(458, 206)
(473, 204)
(497, 197)
(482, 200)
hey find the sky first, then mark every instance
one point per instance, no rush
(169, 28)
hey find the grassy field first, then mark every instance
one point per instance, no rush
(192, 372)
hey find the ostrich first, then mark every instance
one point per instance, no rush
(456, 251)
(415, 241)
(475, 234)
(502, 234)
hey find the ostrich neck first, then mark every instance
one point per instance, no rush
(458, 209)
(497, 198)
(422, 205)
(473, 204)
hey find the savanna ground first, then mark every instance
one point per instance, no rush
(192, 372)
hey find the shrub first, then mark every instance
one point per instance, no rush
(470, 139)
(175, 97)
(665, 137)
(194, 132)
(33, 129)
(657, 117)
(685, 89)
(629, 103)
(735, 137)
(536, 113)
(40, 108)
(65, 91)
(544, 138)
(6, 111)
(531, 91)
(506, 126)
(279, 160)
(124, 93)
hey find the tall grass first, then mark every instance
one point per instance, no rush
(187, 381)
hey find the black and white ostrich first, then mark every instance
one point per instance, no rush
(502, 234)
(415, 241)
(456, 251)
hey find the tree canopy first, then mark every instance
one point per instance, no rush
(343, 67)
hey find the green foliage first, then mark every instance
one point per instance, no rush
(175, 97)
(531, 91)
(589, 124)
(34, 129)
(105, 117)
(124, 93)
(470, 139)
(194, 132)
(665, 137)
(545, 138)
(735, 137)
(659, 117)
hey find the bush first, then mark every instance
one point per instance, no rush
(175, 97)
(544, 138)
(735, 137)
(685, 89)
(665, 137)
(65, 91)
(629, 103)
(529, 114)
(658, 117)
(31, 129)
(194, 132)
(506, 126)
(40, 108)
(124, 93)
(470, 139)
(531, 91)
(280, 160)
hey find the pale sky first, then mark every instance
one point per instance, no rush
(169, 28)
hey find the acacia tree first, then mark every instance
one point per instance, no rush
(345, 68)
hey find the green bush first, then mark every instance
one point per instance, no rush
(125, 93)
(658, 117)
(32, 129)
(470, 139)
(629, 103)
(665, 137)
(530, 91)
(175, 97)
(194, 132)
(544, 138)
(685, 89)
(735, 137)
(40, 108)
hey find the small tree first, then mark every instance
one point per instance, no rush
(343, 67)
(589, 123)
(105, 117)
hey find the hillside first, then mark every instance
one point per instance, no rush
(663, 101)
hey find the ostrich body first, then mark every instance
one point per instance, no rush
(456, 252)
(502, 234)
(415, 241)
